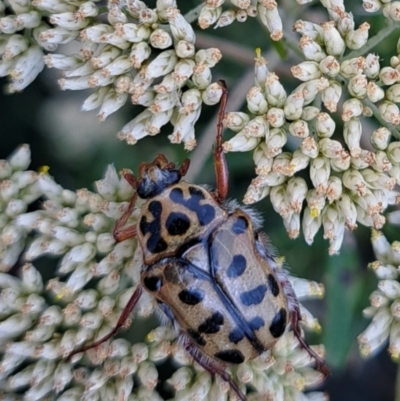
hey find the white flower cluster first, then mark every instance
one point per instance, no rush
(385, 300)
(18, 189)
(239, 10)
(118, 59)
(352, 181)
(81, 299)
(126, 57)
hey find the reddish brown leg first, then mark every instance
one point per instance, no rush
(120, 232)
(295, 323)
(221, 168)
(184, 167)
(211, 366)
(121, 321)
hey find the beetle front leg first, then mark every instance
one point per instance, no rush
(221, 167)
(120, 232)
(211, 366)
(121, 322)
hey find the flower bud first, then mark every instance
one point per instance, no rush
(236, 121)
(208, 16)
(374, 92)
(357, 39)
(275, 117)
(306, 70)
(329, 66)
(331, 95)
(390, 112)
(320, 171)
(309, 147)
(274, 91)
(325, 125)
(271, 20)
(160, 39)
(299, 161)
(380, 138)
(180, 28)
(226, 18)
(299, 129)
(358, 86)
(256, 102)
(294, 105)
(334, 44)
(309, 113)
(240, 143)
(351, 108)
(311, 49)
(352, 135)
(212, 94)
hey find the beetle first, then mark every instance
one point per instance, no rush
(208, 265)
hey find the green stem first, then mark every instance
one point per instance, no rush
(397, 388)
(375, 40)
(192, 15)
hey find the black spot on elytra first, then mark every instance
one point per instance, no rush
(237, 266)
(256, 323)
(191, 296)
(273, 285)
(153, 283)
(155, 244)
(205, 213)
(236, 335)
(212, 324)
(230, 356)
(177, 223)
(254, 296)
(196, 337)
(240, 225)
(278, 323)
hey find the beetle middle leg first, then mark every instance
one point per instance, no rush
(211, 366)
(221, 167)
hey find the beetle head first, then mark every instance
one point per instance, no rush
(160, 174)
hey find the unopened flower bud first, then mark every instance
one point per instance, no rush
(390, 112)
(357, 39)
(306, 70)
(334, 44)
(325, 125)
(331, 95)
(329, 66)
(299, 128)
(275, 93)
(309, 113)
(311, 49)
(208, 16)
(256, 102)
(358, 86)
(271, 19)
(275, 117)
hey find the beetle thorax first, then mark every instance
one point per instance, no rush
(155, 180)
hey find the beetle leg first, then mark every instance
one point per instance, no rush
(120, 232)
(221, 167)
(295, 318)
(211, 366)
(121, 322)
